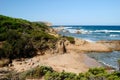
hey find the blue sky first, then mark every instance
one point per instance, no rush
(64, 12)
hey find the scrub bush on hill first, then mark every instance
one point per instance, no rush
(20, 37)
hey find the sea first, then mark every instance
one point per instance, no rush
(93, 33)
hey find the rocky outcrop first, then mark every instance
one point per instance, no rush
(61, 47)
(78, 32)
(80, 45)
(53, 32)
(85, 46)
(58, 29)
(114, 45)
(64, 46)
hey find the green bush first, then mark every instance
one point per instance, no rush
(71, 39)
(60, 76)
(52, 76)
(36, 72)
(96, 71)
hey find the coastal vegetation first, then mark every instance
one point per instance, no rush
(48, 73)
(70, 39)
(20, 38)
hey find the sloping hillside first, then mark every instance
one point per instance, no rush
(21, 38)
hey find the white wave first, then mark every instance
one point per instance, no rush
(72, 30)
(76, 30)
(104, 63)
(88, 40)
(107, 31)
(67, 27)
(112, 35)
(83, 31)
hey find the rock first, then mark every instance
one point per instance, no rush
(58, 29)
(78, 32)
(4, 62)
(61, 47)
(79, 42)
(65, 31)
(85, 46)
(113, 44)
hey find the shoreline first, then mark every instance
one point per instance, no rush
(106, 66)
(81, 61)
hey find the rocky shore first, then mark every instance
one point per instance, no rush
(113, 44)
(68, 57)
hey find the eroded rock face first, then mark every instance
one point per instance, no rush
(80, 45)
(85, 46)
(114, 45)
(61, 48)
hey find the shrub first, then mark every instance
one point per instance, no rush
(52, 76)
(71, 39)
(96, 71)
(37, 72)
(60, 76)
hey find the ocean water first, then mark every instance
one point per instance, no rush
(95, 33)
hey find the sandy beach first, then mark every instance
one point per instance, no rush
(69, 62)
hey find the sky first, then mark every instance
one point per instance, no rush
(64, 12)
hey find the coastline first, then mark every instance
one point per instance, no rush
(74, 59)
(88, 46)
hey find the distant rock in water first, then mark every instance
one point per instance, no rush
(78, 32)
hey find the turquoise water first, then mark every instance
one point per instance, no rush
(96, 33)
